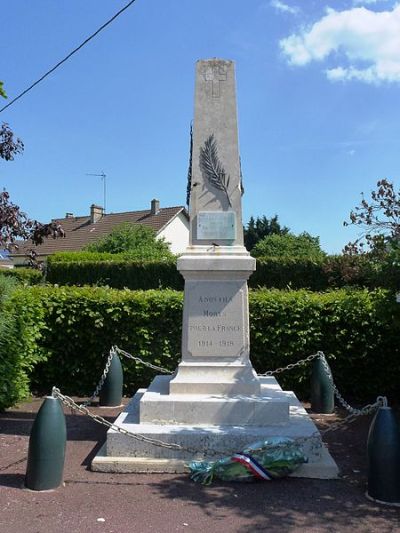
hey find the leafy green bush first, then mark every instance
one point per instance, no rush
(20, 322)
(140, 241)
(257, 229)
(289, 246)
(30, 276)
(75, 327)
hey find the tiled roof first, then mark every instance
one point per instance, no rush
(80, 231)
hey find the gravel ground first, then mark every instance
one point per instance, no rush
(116, 503)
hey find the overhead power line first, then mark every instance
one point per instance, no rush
(68, 56)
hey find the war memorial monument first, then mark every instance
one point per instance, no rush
(214, 400)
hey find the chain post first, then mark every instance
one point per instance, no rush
(102, 379)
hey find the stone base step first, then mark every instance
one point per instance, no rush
(158, 406)
(223, 379)
(122, 453)
(324, 469)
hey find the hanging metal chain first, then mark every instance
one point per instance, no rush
(336, 392)
(369, 409)
(314, 439)
(381, 400)
(290, 366)
(114, 351)
(353, 411)
(101, 381)
(69, 402)
(138, 360)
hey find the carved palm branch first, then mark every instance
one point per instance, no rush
(211, 167)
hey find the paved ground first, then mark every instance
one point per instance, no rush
(116, 503)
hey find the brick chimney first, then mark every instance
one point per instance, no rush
(155, 206)
(96, 213)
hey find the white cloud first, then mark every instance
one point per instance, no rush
(368, 42)
(281, 6)
(366, 2)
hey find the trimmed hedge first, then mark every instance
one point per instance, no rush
(73, 329)
(283, 273)
(81, 324)
(29, 276)
(334, 271)
(120, 274)
(19, 332)
(118, 271)
(358, 330)
(91, 257)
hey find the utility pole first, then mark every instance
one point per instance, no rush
(103, 179)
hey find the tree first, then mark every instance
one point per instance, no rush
(260, 228)
(9, 145)
(289, 246)
(2, 91)
(379, 221)
(139, 241)
(14, 223)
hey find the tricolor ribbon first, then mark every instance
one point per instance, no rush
(252, 465)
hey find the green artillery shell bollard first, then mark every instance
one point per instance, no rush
(322, 395)
(383, 449)
(47, 443)
(111, 392)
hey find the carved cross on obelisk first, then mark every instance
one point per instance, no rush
(215, 74)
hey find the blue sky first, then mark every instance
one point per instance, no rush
(318, 99)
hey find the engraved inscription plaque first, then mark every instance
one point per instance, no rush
(215, 324)
(217, 225)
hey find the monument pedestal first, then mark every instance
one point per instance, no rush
(215, 330)
(286, 418)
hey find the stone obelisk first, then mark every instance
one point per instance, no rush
(216, 266)
(214, 401)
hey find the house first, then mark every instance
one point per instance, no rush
(5, 261)
(172, 223)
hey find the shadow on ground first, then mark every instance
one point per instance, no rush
(287, 503)
(79, 427)
(16, 481)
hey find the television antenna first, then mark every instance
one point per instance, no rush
(103, 179)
